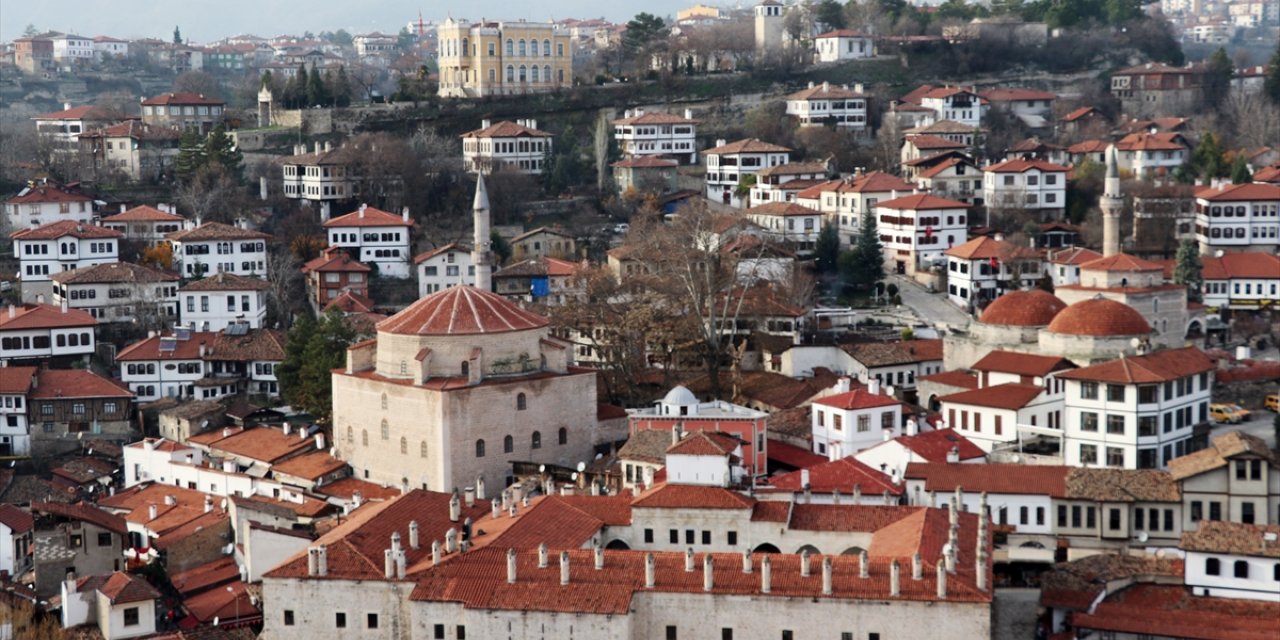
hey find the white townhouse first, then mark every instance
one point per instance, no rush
(1139, 412)
(57, 247)
(991, 416)
(70, 49)
(985, 268)
(104, 46)
(824, 104)
(956, 177)
(1241, 280)
(323, 176)
(843, 202)
(843, 44)
(223, 299)
(506, 146)
(1029, 185)
(1233, 560)
(46, 204)
(1147, 155)
(145, 224)
(1032, 106)
(1020, 496)
(851, 420)
(1238, 217)
(62, 129)
(728, 163)
(203, 364)
(641, 133)
(120, 292)
(955, 104)
(1064, 264)
(42, 332)
(785, 181)
(214, 247)
(916, 229)
(790, 223)
(15, 437)
(1234, 479)
(376, 238)
(444, 267)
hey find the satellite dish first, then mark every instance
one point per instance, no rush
(542, 468)
(1135, 343)
(1143, 536)
(582, 466)
(228, 549)
(575, 477)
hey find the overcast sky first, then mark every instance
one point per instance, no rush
(205, 21)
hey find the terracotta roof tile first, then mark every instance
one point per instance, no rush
(216, 231)
(334, 259)
(268, 444)
(1011, 396)
(783, 209)
(1076, 584)
(16, 380)
(1121, 262)
(1158, 366)
(368, 217)
(705, 443)
(44, 316)
(144, 213)
(873, 182)
(506, 129)
(836, 475)
(857, 399)
(921, 202)
(17, 519)
(932, 142)
(65, 229)
(122, 587)
(985, 248)
(114, 272)
(1235, 538)
(1241, 265)
(48, 193)
(934, 446)
(1219, 453)
(181, 98)
(1026, 364)
(1074, 256)
(462, 310)
(1100, 317)
(205, 576)
(76, 383)
(224, 281)
(962, 379)
(82, 112)
(654, 117)
(1018, 165)
(825, 91)
(1013, 479)
(346, 488)
(885, 354)
(1078, 113)
(309, 465)
(1172, 611)
(565, 521)
(452, 246)
(229, 607)
(1122, 485)
(687, 496)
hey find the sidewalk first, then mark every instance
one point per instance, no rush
(931, 308)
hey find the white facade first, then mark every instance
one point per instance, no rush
(506, 146)
(375, 238)
(71, 49)
(104, 46)
(150, 303)
(984, 269)
(994, 423)
(845, 201)
(41, 331)
(843, 429)
(915, 230)
(791, 223)
(957, 105)
(1241, 280)
(843, 45)
(51, 249)
(443, 268)
(46, 205)
(657, 134)
(1238, 218)
(822, 104)
(1032, 185)
(1230, 575)
(206, 310)
(218, 248)
(14, 431)
(727, 164)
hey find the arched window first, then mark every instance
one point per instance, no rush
(508, 444)
(384, 402)
(521, 402)
(524, 74)
(546, 73)
(533, 74)
(364, 437)
(1212, 567)
(562, 436)
(404, 445)
(1241, 569)
(351, 435)
(480, 448)
(511, 73)
(522, 49)
(535, 441)
(510, 46)
(422, 449)
(546, 48)
(386, 430)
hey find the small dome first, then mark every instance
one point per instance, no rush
(680, 396)
(1033, 308)
(1100, 317)
(461, 310)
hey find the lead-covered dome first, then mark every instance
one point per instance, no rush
(461, 310)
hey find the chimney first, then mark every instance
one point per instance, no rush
(497, 508)
(913, 427)
(402, 560)
(826, 575)
(542, 556)
(320, 442)
(64, 305)
(511, 566)
(455, 507)
(650, 575)
(895, 578)
(859, 88)
(953, 456)
(720, 142)
(599, 557)
(287, 429)
(395, 541)
(413, 535)
(151, 512)
(982, 569)
(917, 570)
(66, 106)
(688, 114)
(356, 499)
(435, 552)
(480, 494)
(388, 564)
(873, 387)
(864, 567)
(959, 498)
(810, 84)
(484, 123)
(171, 501)
(804, 563)
(328, 146)
(404, 214)
(322, 560)
(843, 384)
(564, 567)
(942, 581)
(13, 311)
(208, 504)
(857, 493)
(311, 562)
(766, 574)
(450, 540)
(363, 206)
(826, 86)
(708, 573)
(688, 560)
(123, 208)
(469, 496)
(746, 561)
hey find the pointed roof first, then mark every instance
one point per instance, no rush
(922, 202)
(367, 216)
(507, 129)
(857, 399)
(481, 201)
(748, 145)
(144, 213)
(985, 248)
(1159, 366)
(462, 310)
(334, 259)
(122, 587)
(65, 228)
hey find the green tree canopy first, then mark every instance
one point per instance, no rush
(177, 35)
(863, 266)
(1187, 268)
(220, 150)
(1271, 84)
(190, 154)
(826, 251)
(1240, 173)
(1208, 158)
(312, 351)
(1218, 77)
(642, 31)
(831, 13)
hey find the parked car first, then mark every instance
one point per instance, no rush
(1272, 403)
(1228, 413)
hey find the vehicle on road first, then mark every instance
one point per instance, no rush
(1229, 413)
(1272, 403)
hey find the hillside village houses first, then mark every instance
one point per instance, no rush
(854, 419)
(1238, 217)
(36, 333)
(822, 104)
(203, 365)
(845, 201)
(120, 292)
(843, 44)
(444, 267)
(215, 247)
(916, 229)
(324, 176)
(60, 246)
(653, 133)
(221, 300)
(45, 204)
(506, 146)
(1033, 185)
(145, 224)
(375, 238)
(728, 163)
(62, 128)
(1241, 281)
(784, 182)
(984, 268)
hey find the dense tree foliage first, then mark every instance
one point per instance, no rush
(314, 349)
(1187, 269)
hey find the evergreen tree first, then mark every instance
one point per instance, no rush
(220, 151)
(312, 351)
(295, 90)
(1187, 269)
(863, 266)
(341, 88)
(1271, 84)
(1207, 158)
(316, 93)
(190, 155)
(1240, 173)
(177, 35)
(831, 13)
(826, 251)
(1218, 77)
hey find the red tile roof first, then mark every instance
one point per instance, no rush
(216, 231)
(932, 142)
(1025, 364)
(122, 587)
(149, 349)
(212, 574)
(873, 182)
(821, 92)
(565, 521)
(922, 202)
(1148, 610)
(789, 455)
(688, 496)
(1149, 142)
(783, 209)
(181, 98)
(1241, 265)
(1121, 262)
(76, 383)
(16, 380)
(1075, 256)
(1078, 113)
(943, 166)
(452, 246)
(953, 379)
(48, 193)
(835, 475)
(1159, 366)
(857, 399)
(1015, 479)
(1089, 146)
(269, 444)
(17, 519)
(309, 465)
(83, 112)
(1012, 396)
(369, 217)
(1031, 308)
(654, 117)
(1222, 449)
(934, 446)
(1100, 317)
(462, 310)
(113, 272)
(334, 259)
(84, 512)
(135, 129)
(223, 281)
(201, 522)
(1234, 538)
(842, 33)
(985, 248)
(506, 129)
(346, 488)
(1018, 165)
(706, 443)
(66, 229)
(229, 607)
(44, 316)
(748, 145)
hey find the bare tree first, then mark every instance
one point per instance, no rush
(213, 195)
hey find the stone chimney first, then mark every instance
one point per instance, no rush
(511, 566)
(413, 535)
(542, 556)
(895, 588)
(564, 567)
(688, 560)
(826, 575)
(804, 563)
(322, 560)
(388, 564)
(598, 554)
(708, 573)
(455, 507)
(435, 552)
(650, 575)
(766, 574)
(746, 561)
(941, 572)
(864, 564)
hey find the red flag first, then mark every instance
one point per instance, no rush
(995, 264)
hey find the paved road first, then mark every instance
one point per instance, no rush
(1259, 425)
(931, 308)
(1015, 614)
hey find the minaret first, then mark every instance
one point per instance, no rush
(1112, 203)
(480, 253)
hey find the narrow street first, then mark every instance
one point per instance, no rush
(931, 308)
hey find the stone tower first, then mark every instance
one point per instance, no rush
(1112, 204)
(480, 250)
(768, 18)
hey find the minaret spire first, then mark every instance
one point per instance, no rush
(1112, 204)
(480, 250)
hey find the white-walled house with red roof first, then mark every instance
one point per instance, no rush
(1241, 280)
(444, 267)
(654, 133)
(1238, 217)
(728, 162)
(215, 247)
(506, 146)
(983, 269)
(145, 223)
(1032, 185)
(844, 201)
(916, 229)
(938, 445)
(851, 420)
(60, 246)
(376, 238)
(41, 332)
(46, 204)
(843, 44)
